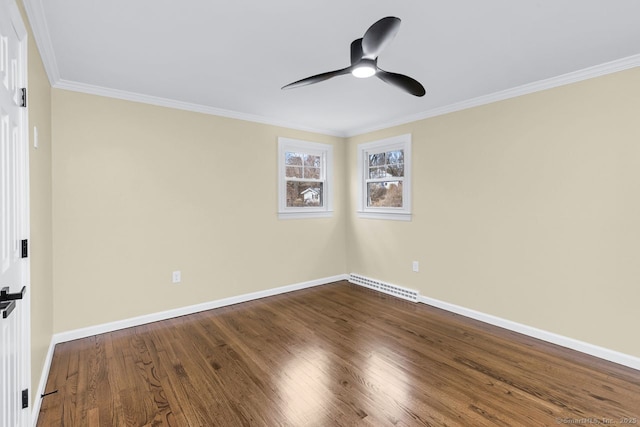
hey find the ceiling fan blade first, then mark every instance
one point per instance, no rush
(379, 35)
(403, 82)
(317, 78)
(356, 51)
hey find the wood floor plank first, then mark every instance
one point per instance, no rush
(52, 413)
(170, 409)
(111, 407)
(334, 355)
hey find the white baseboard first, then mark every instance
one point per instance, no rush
(154, 317)
(581, 346)
(182, 311)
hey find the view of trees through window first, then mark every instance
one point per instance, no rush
(301, 194)
(386, 194)
(304, 179)
(385, 174)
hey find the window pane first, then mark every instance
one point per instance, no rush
(294, 164)
(376, 159)
(294, 171)
(396, 169)
(293, 158)
(396, 156)
(395, 162)
(313, 173)
(312, 160)
(377, 172)
(304, 194)
(387, 194)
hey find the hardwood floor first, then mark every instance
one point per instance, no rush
(334, 355)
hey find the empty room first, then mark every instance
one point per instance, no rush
(291, 213)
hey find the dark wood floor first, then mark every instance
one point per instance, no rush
(334, 355)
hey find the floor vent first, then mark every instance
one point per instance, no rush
(396, 291)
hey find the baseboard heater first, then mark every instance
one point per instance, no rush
(376, 285)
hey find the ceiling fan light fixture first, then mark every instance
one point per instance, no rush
(366, 68)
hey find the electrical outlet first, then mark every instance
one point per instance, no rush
(177, 276)
(416, 266)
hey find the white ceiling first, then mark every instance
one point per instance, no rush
(232, 57)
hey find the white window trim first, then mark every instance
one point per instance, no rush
(326, 152)
(388, 144)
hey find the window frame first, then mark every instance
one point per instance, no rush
(400, 142)
(325, 151)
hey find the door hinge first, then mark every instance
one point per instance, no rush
(24, 97)
(25, 398)
(25, 248)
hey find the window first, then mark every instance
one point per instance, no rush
(384, 179)
(305, 172)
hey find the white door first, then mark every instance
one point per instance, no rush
(14, 220)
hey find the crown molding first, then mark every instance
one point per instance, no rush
(550, 83)
(187, 106)
(40, 29)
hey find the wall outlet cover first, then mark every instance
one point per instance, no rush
(176, 276)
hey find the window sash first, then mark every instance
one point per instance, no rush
(391, 178)
(305, 179)
(310, 165)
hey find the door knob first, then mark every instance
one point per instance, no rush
(6, 296)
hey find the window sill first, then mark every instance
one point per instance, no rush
(393, 216)
(304, 215)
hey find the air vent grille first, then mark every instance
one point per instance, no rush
(396, 291)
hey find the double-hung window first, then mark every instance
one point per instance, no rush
(305, 174)
(384, 178)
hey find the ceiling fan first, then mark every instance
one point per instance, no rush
(364, 59)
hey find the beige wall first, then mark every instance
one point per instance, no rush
(140, 191)
(527, 209)
(41, 286)
(523, 209)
